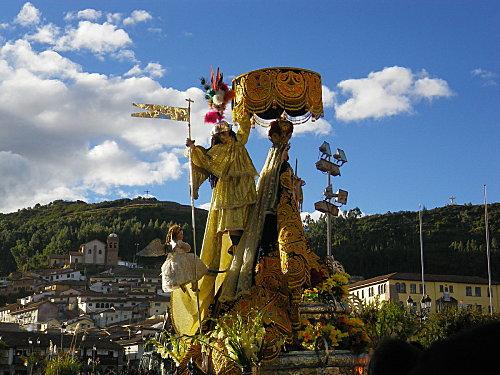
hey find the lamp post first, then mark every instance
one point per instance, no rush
(425, 306)
(136, 251)
(31, 358)
(325, 165)
(490, 301)
(94, 355)
(412, 305)
(63, 328)
(421, 249)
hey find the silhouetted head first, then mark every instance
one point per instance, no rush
(393, 357)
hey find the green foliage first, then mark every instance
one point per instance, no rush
(28, 236)
(450, 321)
(386, 319)
(63, 364)
(379, 244)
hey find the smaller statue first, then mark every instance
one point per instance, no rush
(181, 266)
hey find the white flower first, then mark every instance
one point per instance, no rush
(218, 98)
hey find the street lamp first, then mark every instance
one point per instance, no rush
(325, 165)
(425, 306)
(412, 305)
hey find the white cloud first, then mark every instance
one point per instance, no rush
(47, 64)
(28, 15)
(124, 55)
(315, 215)
(328, 97)
(388, 92)
(73, 135)
(45, 34)
(97, 38)
(89, 14)
(485, 76)
(154, 70)
(114, 18)
(204, 206)
(111, 166)
(136, 17)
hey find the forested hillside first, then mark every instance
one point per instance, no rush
(29, 235)
(453, 237)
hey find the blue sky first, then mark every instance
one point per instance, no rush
(411, 93)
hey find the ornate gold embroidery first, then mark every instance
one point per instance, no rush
(162, 111)
(292, 89)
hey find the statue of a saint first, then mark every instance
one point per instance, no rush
(232, 174)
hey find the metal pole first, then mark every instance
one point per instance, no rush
(421, 249)
(328, 222)
(191, 191)
(488, 249)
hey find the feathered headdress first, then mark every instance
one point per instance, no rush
(218, 94)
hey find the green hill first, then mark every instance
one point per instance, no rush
(29, 235)
(371, 245)
(453, 237)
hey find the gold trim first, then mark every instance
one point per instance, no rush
(294, 90)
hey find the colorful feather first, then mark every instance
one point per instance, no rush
(213, 117)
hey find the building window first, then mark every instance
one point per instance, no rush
(68, 276)
(451, 288)
(421, 289)
(89, 252)
(76, 261)
(413, 288)
(477, 291)
(100, 251)
(468, 291)
(441, 288)
(362, 293)
(403, 287)
(398, 287)
(90, 304)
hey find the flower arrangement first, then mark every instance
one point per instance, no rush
(341, 332)
(319, 335)
(241, 337)
(356, 338)
(218, 94)
(172, 347)
(334, 288)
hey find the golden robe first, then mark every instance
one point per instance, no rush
(231, 200)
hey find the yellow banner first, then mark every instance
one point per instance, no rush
(162, 111)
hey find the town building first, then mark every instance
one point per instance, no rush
(461, 291)
(56, 260)
(22, 284)
(50, 275)
(96, 354)
(96, 252)
(31, 316)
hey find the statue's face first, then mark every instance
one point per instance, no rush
(225, 137)
(180, 235)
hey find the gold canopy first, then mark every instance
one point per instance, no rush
(267, 93)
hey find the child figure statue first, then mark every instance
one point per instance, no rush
(181, 266)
